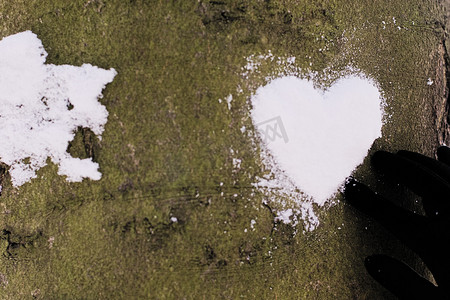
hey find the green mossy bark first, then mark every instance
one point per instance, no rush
(166, 149)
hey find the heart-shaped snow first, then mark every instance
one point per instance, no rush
(318, 138)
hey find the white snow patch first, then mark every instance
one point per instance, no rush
(41, 107)
(285, 216)
(318, 138)
(237, 163)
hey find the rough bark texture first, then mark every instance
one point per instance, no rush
(172, 217)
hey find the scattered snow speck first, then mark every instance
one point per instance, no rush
(41, 107)
(329, 133)
(252, 224)
(430, 82)
(237, 163)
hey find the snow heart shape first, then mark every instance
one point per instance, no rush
(318, 138)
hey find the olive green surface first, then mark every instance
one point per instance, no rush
(166, 150)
